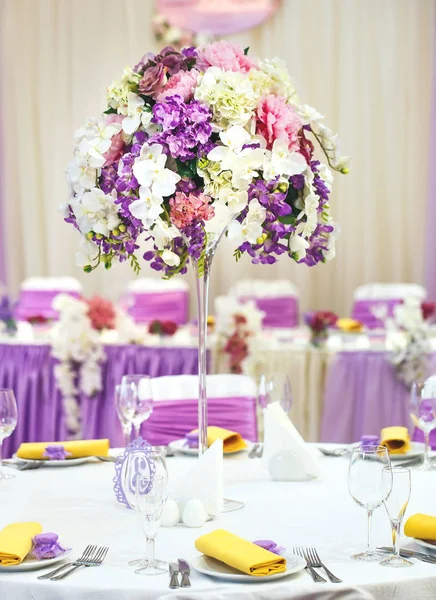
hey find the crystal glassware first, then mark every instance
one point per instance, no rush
(396, 505)
(136, 390)
(151, 495)
(8, 422)
(125, 408)
(275, 388)
(369, 484)
(423, 413)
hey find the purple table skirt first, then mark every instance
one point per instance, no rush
(28, 370)
(363, 395)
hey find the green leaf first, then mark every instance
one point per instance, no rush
(246, 50)
(134, 263)
(237, 254)
(187, 168)
(287, 219)
(110, 111)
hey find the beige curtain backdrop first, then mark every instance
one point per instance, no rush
(365, 64)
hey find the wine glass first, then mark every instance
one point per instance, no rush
(396, 506)
(423, 412)
(151, 495)
(275, 388)
(369, 484)
(8, 422)
(125, 407)
(136, 389)
(141, 464)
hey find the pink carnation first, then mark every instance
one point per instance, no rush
(225, 55)
(102, 313)
(117, 145)
(185, 209)
(277, 120)
(182, 83)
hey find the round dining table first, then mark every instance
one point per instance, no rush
(79, 504)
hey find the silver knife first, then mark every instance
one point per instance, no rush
(185, 571)
(174, 573)
(411, 554)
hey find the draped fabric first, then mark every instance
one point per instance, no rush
(430, 247)
(365, 64)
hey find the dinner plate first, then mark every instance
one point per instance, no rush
(68, 462)
(179, 446)
(424, 544)
(416, 448)
(215, 568)
(31, 563)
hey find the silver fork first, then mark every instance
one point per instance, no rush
(85, 554)
(315, 562)
(315, 576)
(97, 557)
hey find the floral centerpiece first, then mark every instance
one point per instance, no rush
(193, 145)
(319, 323)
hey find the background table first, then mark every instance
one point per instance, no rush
(28, 370)
(78, 503)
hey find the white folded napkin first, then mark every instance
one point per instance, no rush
(204, 481)
(281, 435)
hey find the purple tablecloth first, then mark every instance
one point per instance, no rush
(362, 396)
(28, 370)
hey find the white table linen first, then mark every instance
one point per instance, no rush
(78, 503)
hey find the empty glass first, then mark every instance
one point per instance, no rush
(369, 483)
(8, 422)
(423, 413)
(396, 505)
(275, 388)
(136, 390)
(125, 407)
(151, 495)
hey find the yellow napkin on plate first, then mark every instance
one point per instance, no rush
(232, 441)
(396, 439)
(349, 325)
(16, 542)
(421, 526)
(77, 448)
(240, 554)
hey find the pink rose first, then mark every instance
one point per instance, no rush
(182, 83)
(225, 55)
(277, 120)
(187, 208)
(117, 145)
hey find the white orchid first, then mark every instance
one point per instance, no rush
(149, 169)
(251, 227)
(136, 114)
(236, 201)
(220, 220)
(148, 207)
(298, 245)
(163, 233)
(81, 176)
(280, 162)
(87, 253)
(94, 139)
(331, 146)
(170, 258)
(96, 211)
(308, 114)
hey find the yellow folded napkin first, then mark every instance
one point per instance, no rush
(16, 542)
(349, 325)
(232, 441)
(396, 439)
(77, 448)
(421, 526)
(240, 554)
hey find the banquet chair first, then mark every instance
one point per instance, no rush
(231, 405)
(37, 294)
(277, 299)
(147, 299)
(376, 301)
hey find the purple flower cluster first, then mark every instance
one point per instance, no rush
(186, 127)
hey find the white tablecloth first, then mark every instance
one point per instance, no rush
(78, 503)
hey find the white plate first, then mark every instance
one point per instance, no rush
(215, 568)
(179, 446)
(68, 462)
(416, 448)
(32, 564)
(425, 544)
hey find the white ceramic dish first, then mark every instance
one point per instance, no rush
(425, 544)
(416, 448)
(215, 568)
(179, 446)
(68, 462)
(32, 564)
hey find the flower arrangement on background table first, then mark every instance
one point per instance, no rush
(168, 328)
(175, 36)
(193, 145)
(319, 323)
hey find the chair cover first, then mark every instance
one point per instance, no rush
(150, 299)
(37, 294)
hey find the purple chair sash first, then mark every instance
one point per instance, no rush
(38, 303)
(362, 311)
(162, 306)
(280, 312)
(173, 419)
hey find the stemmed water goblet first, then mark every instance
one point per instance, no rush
(125, 407)
(8, 422)
(136, 391)
(423, 413)
(369, 484)
(396, 505)
(151, 495)
(275, 388)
